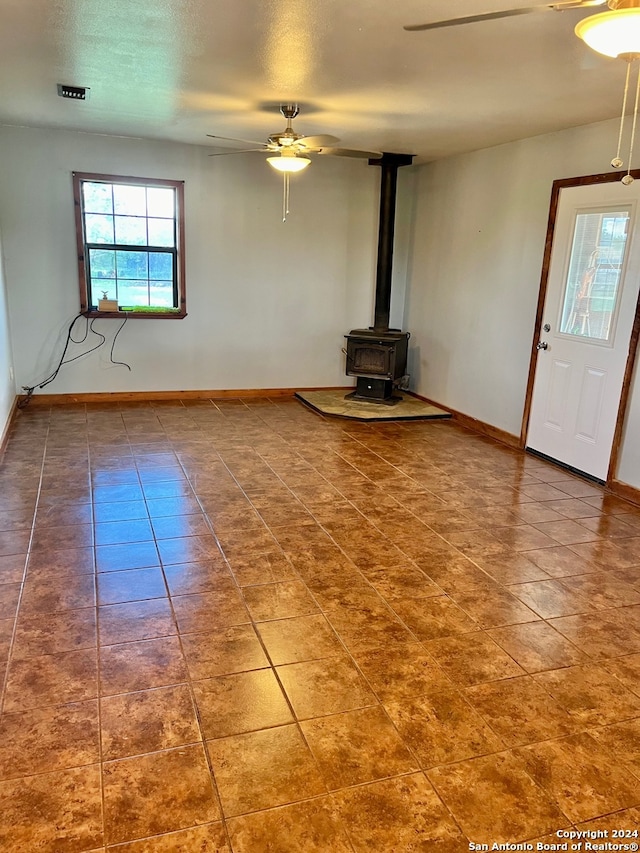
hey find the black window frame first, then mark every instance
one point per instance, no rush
(88, 300)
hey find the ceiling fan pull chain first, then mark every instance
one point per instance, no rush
(617, 162)
(285, 196)
(627, 179)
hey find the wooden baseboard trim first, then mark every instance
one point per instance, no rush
(151, 396)
(624, 490)
(4, 438)
(476, 425)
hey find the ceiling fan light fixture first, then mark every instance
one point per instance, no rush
(615, 33)
(289, 162)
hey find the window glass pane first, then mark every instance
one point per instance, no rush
(132, 264)
(103, 263)
(98, 228)
(131, 230)
(161, 294)
(97, 197)
(161, 265)
(161, 232)
(130, 200)
(100, 286)
(161, 201)
(133, 293)
(595, 269)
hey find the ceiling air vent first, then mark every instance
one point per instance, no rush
(77, 93)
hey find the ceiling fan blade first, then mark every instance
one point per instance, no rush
(237, 151)
(474, 19)
(319, 141)
(350, 152)
(560, 6)
(234, 139)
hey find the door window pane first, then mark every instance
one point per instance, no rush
(595, 271)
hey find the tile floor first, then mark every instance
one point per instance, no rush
(239, 626)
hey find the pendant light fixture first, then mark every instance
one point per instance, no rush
(616, 33)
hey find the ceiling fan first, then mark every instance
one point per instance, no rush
(511, 13)
(289, 150)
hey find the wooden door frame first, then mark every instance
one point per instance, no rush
(564, 183)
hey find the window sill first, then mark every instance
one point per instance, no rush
(137, 315)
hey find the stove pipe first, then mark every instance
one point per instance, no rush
(389, 164)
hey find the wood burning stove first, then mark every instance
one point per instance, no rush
(378, 356)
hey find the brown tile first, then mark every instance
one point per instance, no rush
(622, 742)
(134, 555)
(319, 687)
(401, 671)
(51, 680)
(116, 493)
(151, 794)
(188, 549)
(430, 618)
(15, 542)
(242, 702)
(51, 594)
(312, 826)
(188, 578)
(550, 598)
(395, 815)
(590, 694)
(119, 511)
(494, 799)
(138, 620)
(121, 532)
(58, 812)
(59, 632)
(536, 646)
(222, 652)
(130, 585)
(298, 639)
(579, 774)
(221, 608)
(473, 658)
(603, 590)
(520, 711)
(260, 770)
(442, 727)
(141, 665)
(566, 532)
(59, 563)
(561, 561)
(514, 568)
(209, 838)
(174, 527)
(493, 608)
(12, 568)
(267, 567)
(176, 505)
(402, 582)
(63, 537)
(279, 600)
(147, 721)
(48, 739)
(605, 635)
(627, 670)
(357, 746)
(627, 820)
(9, 595)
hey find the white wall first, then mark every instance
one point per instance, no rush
(7, 384)
(268, 302)
(476, 257)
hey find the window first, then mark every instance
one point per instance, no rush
(130, 245)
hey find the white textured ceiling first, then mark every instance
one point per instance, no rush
(179, 69)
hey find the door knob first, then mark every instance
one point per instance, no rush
(542, 345)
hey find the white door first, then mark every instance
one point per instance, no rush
(588, 316)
